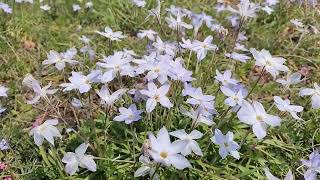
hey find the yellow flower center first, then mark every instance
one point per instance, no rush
(204, 45)
(41, 128)
(156, 97)
(268, 63)
(164, 154)
(157, 69)
(259, 118)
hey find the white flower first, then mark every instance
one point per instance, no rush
(203, 47)
(139, 3)
(21, 1)
(198, 98)
(60, 59)
(314, 93)
(226, 143)
(234, 98)
(312, 165)
(299, 25)
(289, 175)
(81, 82)
(150, 34)
(164, 47)
(33, 84)
(291, 79)
(89, 5)
(158, 70)
(79, 158)
(28, 81)
(198, 116)
(41, 92)
(45, 7)
(107, 98)
(179, 73)
(113, 36)
(256, 116)
(156, 96)
(165, 152)
(245, 9)
(4, 145)
(76, 7)
(3, 91)
(116, 64)
(240, 47)
(271, 64)
(191, 144)
(2, 109)
(129, 115)
(47, 131)
(284, 105)
(225, 78)
(186, 43)
(271, 2)
(6, 8)
(177, 23)
(146, 168)
(76, 103)
(237, 56)
(267, 9)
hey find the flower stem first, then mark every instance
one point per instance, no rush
(44, 155)
(256, 83)
(155, 171)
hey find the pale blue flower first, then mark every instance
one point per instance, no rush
(314, 93)
(312, 165)
(226, 143)
(198, 98)
(78, 158)
(167, 153)
(6, 8)
(113, 36)
(3, 91)
(107, 98)
(4, 145)
(225, 78)
(255, 115)
(139, 3)
(47, 131)
(60, 59)
(76, 7)
(156, 95)
(189, 139)
(201, 48)
(81, 82)
(129, 115)
(239, 57)
(285, 106)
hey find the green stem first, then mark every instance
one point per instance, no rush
(44, 155)
(155, 171)
(134, 141)
(256, 83)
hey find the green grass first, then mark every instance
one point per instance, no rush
(59, 30)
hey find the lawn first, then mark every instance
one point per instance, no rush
(114, 123)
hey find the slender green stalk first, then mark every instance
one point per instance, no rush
(44, 155)
(155, 171)
(134, 141)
